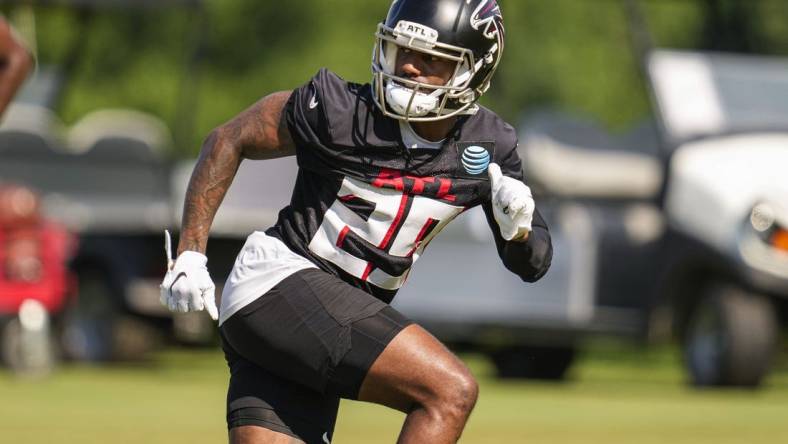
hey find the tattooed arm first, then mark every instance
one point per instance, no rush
(15, 64)
(259, 132)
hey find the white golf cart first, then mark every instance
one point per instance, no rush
(704, 217)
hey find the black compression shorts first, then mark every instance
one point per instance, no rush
(299, 348)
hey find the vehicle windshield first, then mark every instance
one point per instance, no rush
(705, 94)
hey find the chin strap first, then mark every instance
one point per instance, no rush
(471, 111)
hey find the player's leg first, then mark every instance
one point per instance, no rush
(284, 350)
(393, 362)
(263, 408)
(317, 335)
(418, 375)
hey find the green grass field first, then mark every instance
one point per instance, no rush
(619, 395)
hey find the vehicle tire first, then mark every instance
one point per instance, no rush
(95, 327)
(134, 339)
(89, 320)
(27, 352)
(730, 338)
(545, 363)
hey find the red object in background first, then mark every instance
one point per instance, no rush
(19, 207)
(23, 256)
(34, 253)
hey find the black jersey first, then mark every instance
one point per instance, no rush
(364, 207)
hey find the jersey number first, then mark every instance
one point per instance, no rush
(376, 231)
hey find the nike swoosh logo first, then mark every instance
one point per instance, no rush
(182, 274)
(325, 435)
(313, 102)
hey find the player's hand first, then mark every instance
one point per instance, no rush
(187, 286)
(513, 206)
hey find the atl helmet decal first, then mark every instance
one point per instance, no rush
(488, 14)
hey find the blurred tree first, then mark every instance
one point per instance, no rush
(567, 54)
(731, 25)
(571, 55)
(243, 34)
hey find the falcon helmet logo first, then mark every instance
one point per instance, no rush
(488, 15)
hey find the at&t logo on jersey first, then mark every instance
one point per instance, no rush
(475, 159)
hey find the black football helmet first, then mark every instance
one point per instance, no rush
(468, 32)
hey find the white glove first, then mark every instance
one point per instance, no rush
(187, 286)
(513, 206)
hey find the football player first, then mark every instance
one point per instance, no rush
(16, 62)
(305, 317)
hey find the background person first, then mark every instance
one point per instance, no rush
(16, 62)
